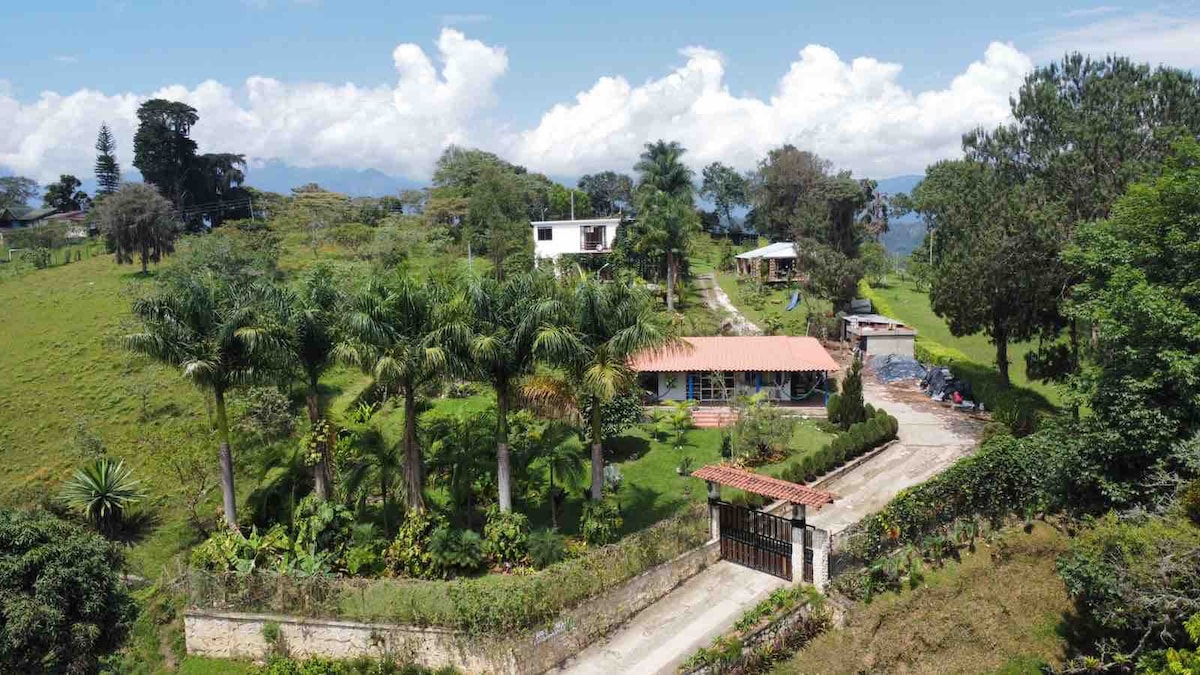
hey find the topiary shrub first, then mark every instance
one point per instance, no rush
(600, 522)
(833, 409)
(869, 411)
(851, 409)
(506, 536)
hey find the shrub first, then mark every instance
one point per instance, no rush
(456, 551)
(265, 412)
(833, 409)
(506, 536)
(408, 555)
(546, 547)
(61, 596)
(621, 413)
(101, 490)
(851, 409)
(600, 522)
(323, 527)
(726, 445)
(762, 431)
(868, 411)
(1190, 499)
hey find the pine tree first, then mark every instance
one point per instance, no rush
(108, 172)
(852, 410)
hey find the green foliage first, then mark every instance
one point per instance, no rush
(265, 412)
(618, 414)
(102, 490)
(1190, 501)
(546, 547)
(600, 522)
(408, 555)
(282, 665)
(137, 221)
(323, 527)
(456, 551)
(506, 536)
(851, 409)
(762, 431)
(61, 596)
(833, 410)
(1175, 661)
(228, 550)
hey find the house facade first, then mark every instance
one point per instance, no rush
(773, 263)
(553, 238)
(721, 369)
(876, 335)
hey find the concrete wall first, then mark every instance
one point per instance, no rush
(673, 386)
(878, 345)
(239, 635)
(566, 236)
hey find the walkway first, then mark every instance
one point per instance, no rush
(665, 634)
(716, 299)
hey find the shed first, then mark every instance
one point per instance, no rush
(774, 262)
(875, 335)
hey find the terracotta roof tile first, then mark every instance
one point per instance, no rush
(767, 486)
(740, 353)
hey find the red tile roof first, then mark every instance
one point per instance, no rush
(748, 352)
(767, 486)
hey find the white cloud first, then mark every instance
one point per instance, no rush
(1147, 36)
(66, 58)
(1084, 12)
(399, 129)
(854, 113)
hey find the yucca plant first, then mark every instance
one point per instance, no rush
(102, 490)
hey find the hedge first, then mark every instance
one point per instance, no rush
(856, 441)
(494, 603)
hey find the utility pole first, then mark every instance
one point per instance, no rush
(572, 205)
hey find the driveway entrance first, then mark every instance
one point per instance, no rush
(756, 540)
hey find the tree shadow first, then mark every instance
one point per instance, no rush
(135, 526)
(624, 448)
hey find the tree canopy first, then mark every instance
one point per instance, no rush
(108, 171)
(137, 221)
(65, 195)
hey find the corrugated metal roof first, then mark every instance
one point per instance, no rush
(784, 353)
(782, 249)
(767, 486)
(579, 221)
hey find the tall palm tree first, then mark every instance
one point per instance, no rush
(661, 168)
(221, 334)
(312, 314)
(459, 450)
(666, 225)
(501, 347)
(402, 332)
(376, 461)
(599, 327)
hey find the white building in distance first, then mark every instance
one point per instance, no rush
(552, 238)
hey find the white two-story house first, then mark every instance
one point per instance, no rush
(552, 238)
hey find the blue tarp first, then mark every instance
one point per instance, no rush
(893, 368)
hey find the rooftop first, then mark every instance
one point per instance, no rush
(743, 352)
(782, 249)
(877, 323)
(766, 486)
(578, 221)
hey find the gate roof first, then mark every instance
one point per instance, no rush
(766, 486)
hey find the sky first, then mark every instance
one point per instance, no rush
(882, 88)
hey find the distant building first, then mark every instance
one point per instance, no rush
(23, 216)
(876, 335)
(552, 238)
(772, 263)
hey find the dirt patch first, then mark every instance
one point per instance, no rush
(719, 302)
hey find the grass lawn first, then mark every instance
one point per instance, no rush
(1001, 609)
(773, 305)
(912, 306)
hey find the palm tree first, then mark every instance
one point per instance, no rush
(102, 490)
(661, 168)
(221, 334)
(312, 320)
(599, 327)
(379, 462)
(459, 449)
(560, 451)
(666, 225)
(501, 347)
(403, 333)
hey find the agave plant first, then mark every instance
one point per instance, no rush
(102, 490)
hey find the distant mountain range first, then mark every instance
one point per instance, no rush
(278, 177)
(904, 234)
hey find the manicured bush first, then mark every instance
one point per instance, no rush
(833, 409)
(456, 551)
(600, 522)
(852, 409)
(506, 536)
(868, 411)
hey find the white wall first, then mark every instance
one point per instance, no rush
(878, 345)
(566, 236)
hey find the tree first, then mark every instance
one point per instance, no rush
(221, 333)
(214, 180)
(136, 220)
(608, 192)
(312, 323)
(995, 254)
(556, 446)
(786, 191)
(402, 332)
(375, 460)
(592, 333)
(661, 168)
(65, 195)
(506, 320)
(727, 189)
(665, 227)
(852, 409)
(564, 203)
(102, 490)
(163, 149)
(497, 221)
(16, 191)
(61, 596)
(875, 262)
(108, 172)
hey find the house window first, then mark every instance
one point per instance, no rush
(714, 386)
(545, 234)
(592, 238)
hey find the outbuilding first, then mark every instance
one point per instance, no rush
(876, 335)
(773, 263)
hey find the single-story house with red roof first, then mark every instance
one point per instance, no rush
(719, 369)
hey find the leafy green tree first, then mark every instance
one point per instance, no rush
(163, 150)
(61, 596)
(136, 220)
(16, 191)
(592, 334)
(559, 203)
(108, 172)
(65, 195)
(102, 490)
(666, 227)
(375, 461)
(222, 334)
(402, 332)
(498, 221)
(609, 193)
(461, 448)
(726, 188)
(661, 168)
(995, 254)
(557, 447)
(875, 262)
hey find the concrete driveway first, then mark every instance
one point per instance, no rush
(931, 438)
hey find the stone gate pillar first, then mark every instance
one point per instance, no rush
(822, 552)
(714, 513)
(799, 516)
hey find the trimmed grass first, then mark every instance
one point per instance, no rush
(912, 307)
(1000, 609)
(772, 307)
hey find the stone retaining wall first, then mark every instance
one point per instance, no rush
(240, 635)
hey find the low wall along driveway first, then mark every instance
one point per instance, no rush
(240, 635)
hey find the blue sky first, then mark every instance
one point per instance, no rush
(932, 70)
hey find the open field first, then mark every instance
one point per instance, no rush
(999, 610)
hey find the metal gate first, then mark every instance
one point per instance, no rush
(808, 554)
(757, 540)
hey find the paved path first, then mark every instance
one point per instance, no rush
(931, 438)
(665, 634)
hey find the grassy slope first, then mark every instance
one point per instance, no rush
(913, 308)
(989, 613)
